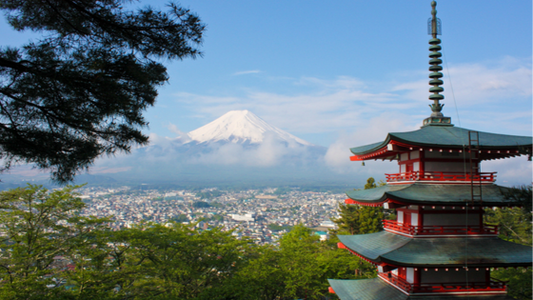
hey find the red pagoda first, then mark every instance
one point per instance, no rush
(438, 247)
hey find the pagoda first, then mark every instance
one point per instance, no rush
(438, 247)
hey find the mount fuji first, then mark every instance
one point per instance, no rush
(237, 147)
(242, 127)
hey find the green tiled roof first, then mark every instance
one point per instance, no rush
(363, 289)
(430, 194)
(377, 289)
(438, 252)
(448, 136)
(374, 245)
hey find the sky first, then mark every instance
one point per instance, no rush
(345, 73)
(324, 71)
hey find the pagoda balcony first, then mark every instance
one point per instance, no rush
(437, 230)
(442, 287)
(484, 177)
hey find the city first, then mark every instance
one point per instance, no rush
(263, 215)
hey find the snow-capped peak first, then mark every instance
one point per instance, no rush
(240, 126)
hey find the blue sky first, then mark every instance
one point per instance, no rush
(344, 73)
(321, 71)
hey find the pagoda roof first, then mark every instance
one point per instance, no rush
(430, 194)
(447, 137)
(397, 250)
(378, 289)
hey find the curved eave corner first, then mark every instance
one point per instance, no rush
(373, 197)
(373, 204)
(371, 151)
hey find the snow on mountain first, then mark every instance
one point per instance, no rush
(242, 126)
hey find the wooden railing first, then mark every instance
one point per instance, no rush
(447, 287)
(440, 230)
(397, 281)
(440, 176)
(491, 286)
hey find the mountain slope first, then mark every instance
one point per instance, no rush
(242, 126)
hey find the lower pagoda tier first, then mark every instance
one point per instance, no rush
(429, 194)
(379, 289)
(385, 248)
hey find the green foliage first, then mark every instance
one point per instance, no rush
(80, 90)
(175, 262)
(50, 252)
(359, 219)
(299, 269)
(262, 278)
(180, 218)
(515, 226)
(519, 282)
(209, 194)
(371, 183)
(514, 223)
(276, 227)
(200, 204)
(217, 204)
(522, 196)
(41, 231)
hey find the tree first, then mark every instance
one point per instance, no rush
(42, 233)
(262, 278)
(370, 183)
(514, 224)
(174, 261)
(298, 269)
(79, 92)
(359, 219)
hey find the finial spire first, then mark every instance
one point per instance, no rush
(434, 29)
(434, 21)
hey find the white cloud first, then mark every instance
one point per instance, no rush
(246, 72)
(477, 83)
(510, 172)
(271, 152)
(179, 134)
(375, 130)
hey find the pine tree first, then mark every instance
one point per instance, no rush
(359, 219)
(79, 91)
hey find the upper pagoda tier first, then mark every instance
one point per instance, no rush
(438, 153)
(444, 139)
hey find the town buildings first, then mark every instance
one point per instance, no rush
(258, 214)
